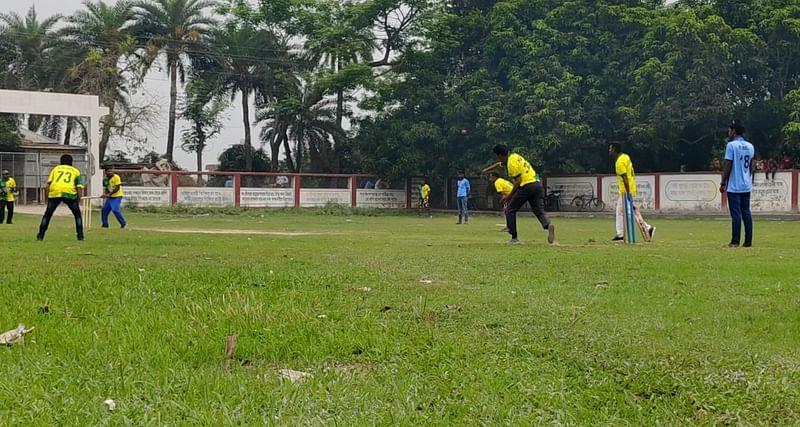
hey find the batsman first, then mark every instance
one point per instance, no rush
(626, 179)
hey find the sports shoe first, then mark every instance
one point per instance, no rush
(732, 245)
(514, 242)
(551, 234)
(617, 238)
(651, 232)
(40, 238)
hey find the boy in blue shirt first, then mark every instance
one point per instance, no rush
(462, 196)
(737, 183)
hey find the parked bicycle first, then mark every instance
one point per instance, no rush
(588, 202)
(552, 201)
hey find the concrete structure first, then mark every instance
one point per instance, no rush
(31, 161)
(64, 105)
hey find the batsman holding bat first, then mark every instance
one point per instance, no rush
(627, 190)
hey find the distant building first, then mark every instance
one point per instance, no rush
(30, 163)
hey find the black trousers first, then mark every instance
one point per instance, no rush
(533, 194)
(3, 206)
(52, 204)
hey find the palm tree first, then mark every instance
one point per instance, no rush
(100, 35)
(31, 42)
(174, 28)
(310, 121)
(248, 61)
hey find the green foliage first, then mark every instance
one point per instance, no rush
(233, 159)
(9, 131)
(559, 80)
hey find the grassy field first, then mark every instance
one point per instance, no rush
(455, 328)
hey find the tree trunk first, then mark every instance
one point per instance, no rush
(299, 150)
(106, 133)
(68, 131)
(201, 145)
(248, 151)
(288, 152)
(275, 147)
(173, 100)
(337, 66)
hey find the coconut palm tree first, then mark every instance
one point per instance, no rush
(31, 42)
(100, 36)
(310, 121)
(173, 28)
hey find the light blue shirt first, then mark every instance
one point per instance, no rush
(463, 187)
(740, 153)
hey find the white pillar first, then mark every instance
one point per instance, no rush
(94, 172)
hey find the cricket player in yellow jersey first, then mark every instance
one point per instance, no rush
(8, 195)
(503, 188)
(112, 193)
(527, 189)
(425, 197)
(64, 184)
(626, 179)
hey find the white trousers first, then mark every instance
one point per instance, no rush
(621, 216)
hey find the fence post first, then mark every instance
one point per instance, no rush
(657, 191)
(408, 193)
(297, 191)
(794, 189)
(599, 188)
(173, 182)
(353, 191)
(237, 189)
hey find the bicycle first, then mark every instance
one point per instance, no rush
(552, 201)
(588, 202)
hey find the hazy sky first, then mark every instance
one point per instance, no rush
(156, 87)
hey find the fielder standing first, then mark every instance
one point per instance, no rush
(64, 184)
(8, 192)
(737, 183)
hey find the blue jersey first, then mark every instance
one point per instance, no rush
(463, 187)
(740, 153)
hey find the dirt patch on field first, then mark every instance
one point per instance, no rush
(227, 231)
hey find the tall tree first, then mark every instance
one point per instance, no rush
(100, 35)
(309, 121)
(203, 110)
(31, 66)
(174, 28)
(247, 61)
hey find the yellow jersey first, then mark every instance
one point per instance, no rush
(64, 181)
(518, 167)
(624, 167)
(503, 186)
(110, 183)
(425, 191)
(9, 187)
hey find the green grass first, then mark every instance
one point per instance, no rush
(680, 331)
